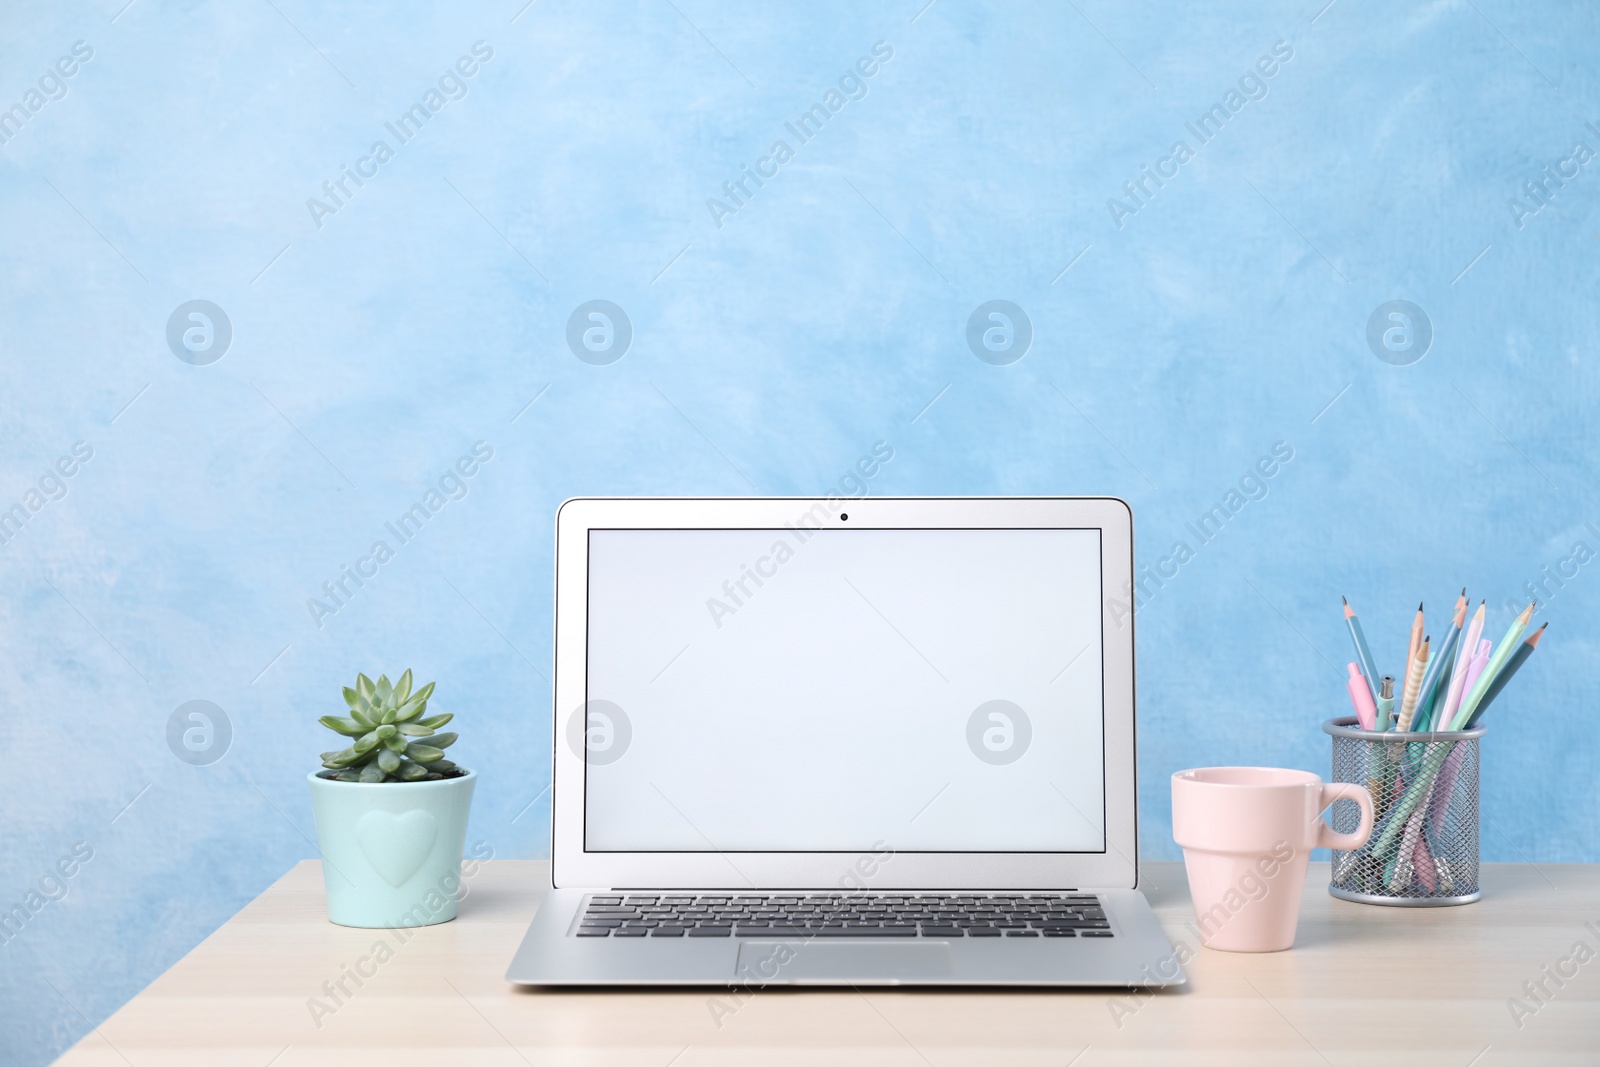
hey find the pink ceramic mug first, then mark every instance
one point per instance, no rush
(1246, 834)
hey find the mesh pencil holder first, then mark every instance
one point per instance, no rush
(1423, 851)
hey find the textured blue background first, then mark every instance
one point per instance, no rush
(1227, 314)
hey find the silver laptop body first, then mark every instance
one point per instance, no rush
(865, 741)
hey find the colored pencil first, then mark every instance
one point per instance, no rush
(1408, 706)
(1429, 703)
(1416, 637)
(1458, 680)
(1497, 660)
(1363, 654)
(1518, 658)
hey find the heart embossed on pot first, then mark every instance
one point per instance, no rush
(396, 845)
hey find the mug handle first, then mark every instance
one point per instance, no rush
(1327, 836)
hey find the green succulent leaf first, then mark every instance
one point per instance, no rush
(351, 697)
(384, 689)
(348, 776)
(424, 693)
(412, 772)
(389, 760)
(410, 709)
(397, 743)
(364, 686)
(424, 753)
(439, 740)
(340, 725)
(342, 759)
(367, 742)
(402, 688)
(441, 766)
(411, 729)
(385, 732)
(433, 722)
(361, 711)
(371, 773)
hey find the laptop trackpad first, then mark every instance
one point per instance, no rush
(780, 961)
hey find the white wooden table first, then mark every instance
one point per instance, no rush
(1363, 986)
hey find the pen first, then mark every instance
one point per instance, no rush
(1361, 697)
(1385, 702)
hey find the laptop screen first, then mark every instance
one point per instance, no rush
(798, 690)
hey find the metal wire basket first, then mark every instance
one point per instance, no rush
(1424, 846)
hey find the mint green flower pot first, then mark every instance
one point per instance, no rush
(391, 851)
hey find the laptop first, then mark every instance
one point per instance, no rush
(874, 741)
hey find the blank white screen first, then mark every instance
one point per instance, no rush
(829, 707)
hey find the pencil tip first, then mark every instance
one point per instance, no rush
(1345, 599)
(1534, 639)
(1419, 605)
(1463, 590)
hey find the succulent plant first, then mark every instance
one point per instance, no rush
(393, 741)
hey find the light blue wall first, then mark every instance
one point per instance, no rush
(1227, 314)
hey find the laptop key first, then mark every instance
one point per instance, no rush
(710, 931)
(600, 931)
(984, 931)
(1059, 933)
(667, 931)
(1094, 933)
(598, 924)
(1022, 933)
(633, 931)
(857, 931)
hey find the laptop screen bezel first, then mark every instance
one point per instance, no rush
(885, 869)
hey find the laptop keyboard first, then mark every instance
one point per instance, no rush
(843, 915)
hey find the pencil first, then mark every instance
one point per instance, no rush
(1458, 680)
(1518, 658)
(1408, 706)
(1429, 703)
(1416, 636)
(1363, 654)
(1497, 660)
